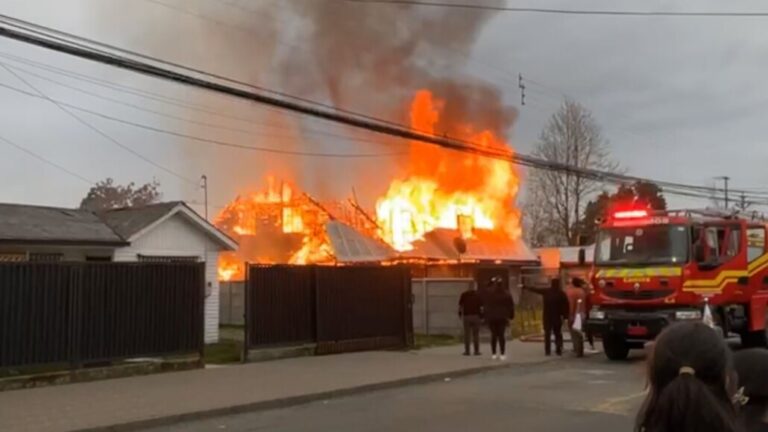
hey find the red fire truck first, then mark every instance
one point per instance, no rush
(655, 268)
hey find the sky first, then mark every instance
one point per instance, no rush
(678, 99)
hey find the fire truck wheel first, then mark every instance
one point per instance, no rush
(615, 347)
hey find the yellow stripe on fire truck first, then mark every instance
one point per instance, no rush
(639, 272)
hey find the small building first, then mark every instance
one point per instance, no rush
(564, 260)
(163, 232)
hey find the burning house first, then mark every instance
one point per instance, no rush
(449, 214)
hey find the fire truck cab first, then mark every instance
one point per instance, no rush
(654, 268)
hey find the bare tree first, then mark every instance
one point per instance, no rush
(571, 137)
(106, 195)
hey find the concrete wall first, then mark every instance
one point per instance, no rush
(232, 303)
(177, 236)
(436, 305)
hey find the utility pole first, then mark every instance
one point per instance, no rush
(204, 187)
(522, 88)
(725, 180)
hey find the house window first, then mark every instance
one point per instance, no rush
(46, 257)
(168, 259)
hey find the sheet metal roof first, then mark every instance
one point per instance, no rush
(352, 246)
(483, 246)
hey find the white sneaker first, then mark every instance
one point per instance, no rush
(494, 357)
(503, 358)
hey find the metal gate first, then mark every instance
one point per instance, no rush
(340, 309)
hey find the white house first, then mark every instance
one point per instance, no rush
(164, 232)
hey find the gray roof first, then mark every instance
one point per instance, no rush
(485, 245)
(130, 220)
(34, 224)
(351, 246)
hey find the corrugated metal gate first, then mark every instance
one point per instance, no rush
(347, 308)
(79, 313)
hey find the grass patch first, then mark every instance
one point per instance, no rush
(223, 352)
(430, 341)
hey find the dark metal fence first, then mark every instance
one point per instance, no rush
(80, 313)
(341, 309)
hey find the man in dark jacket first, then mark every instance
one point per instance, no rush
(471, 312)
(556, 309)
(499, 310)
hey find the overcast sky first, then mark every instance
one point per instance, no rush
(679, 99)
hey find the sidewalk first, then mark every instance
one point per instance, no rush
(128, 403)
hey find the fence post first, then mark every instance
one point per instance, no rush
(246, 312)
(316, 295)
(425, 294)
(409, 301)
(75, 316)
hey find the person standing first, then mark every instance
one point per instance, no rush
(576, 300)
(585, 307)
(471, 313)
(499, 310)
(556, 309)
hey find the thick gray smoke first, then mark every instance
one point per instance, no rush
(373, 57)
(368, 58)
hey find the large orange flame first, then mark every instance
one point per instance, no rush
(445, 189)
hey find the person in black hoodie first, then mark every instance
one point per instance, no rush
(471, 313)
(499, 310)
(556, 309)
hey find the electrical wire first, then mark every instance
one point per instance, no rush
(45, 160)
(361, 122)
(201, 139)
(306, 131)
(699, 14)
(101, 132)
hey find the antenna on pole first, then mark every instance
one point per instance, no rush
(522, 88)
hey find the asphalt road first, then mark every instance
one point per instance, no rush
(574, 395)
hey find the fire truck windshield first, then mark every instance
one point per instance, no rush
(652, 244)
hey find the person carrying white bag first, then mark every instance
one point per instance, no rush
(576, 298)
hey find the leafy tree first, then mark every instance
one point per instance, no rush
(645, 194)
(106, 195)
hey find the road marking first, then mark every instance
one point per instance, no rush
(618, 405)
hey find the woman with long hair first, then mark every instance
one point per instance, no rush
(690, 383)
(752, 369)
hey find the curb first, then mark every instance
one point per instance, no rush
(303, 399)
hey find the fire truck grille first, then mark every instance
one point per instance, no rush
(639, 295)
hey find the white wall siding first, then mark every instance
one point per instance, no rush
(212, 310)
(178, 237)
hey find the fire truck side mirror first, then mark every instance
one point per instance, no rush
(582, 256)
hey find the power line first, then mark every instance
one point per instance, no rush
(176, 102)
(82, 44)
(99, 131)
(201, 139)
(307, 131)
(700, 14)
(46, 161)
(361, 122)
